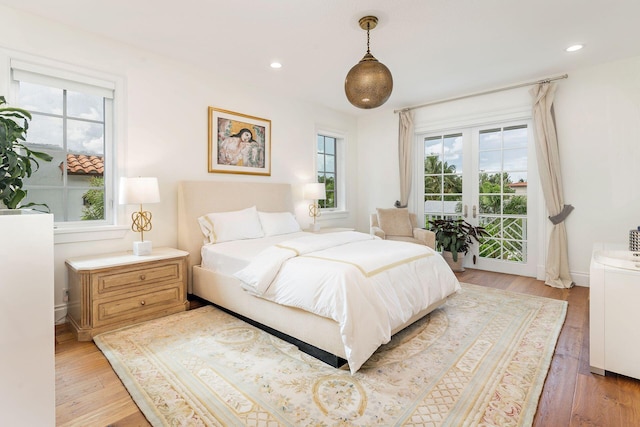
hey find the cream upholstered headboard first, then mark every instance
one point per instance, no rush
(197, 198)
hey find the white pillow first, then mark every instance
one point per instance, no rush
(220, 227)
(274, 223)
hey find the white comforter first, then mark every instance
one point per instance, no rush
(368, 285)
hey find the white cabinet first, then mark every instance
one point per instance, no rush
(27, 353)
(613, 312)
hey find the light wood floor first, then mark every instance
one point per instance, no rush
(88, 392)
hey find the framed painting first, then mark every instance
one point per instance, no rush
(239, 143)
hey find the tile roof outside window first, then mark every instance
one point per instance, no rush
(81, 164)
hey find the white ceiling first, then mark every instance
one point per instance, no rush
(435, 49)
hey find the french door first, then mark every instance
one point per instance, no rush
(487, 176)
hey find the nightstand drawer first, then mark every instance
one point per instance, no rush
(136, 278)
(135, 307)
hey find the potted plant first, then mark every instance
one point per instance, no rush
(454, 237)
(16, 160)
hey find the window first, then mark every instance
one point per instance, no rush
(72, 119)
(327, 169)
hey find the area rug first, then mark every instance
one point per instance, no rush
(480, 359)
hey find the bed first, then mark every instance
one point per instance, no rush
(316, 334)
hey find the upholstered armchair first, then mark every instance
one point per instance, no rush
(400, 224)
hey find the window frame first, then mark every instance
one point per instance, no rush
(113, 226)
(340, 180)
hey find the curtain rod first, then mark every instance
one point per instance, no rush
(486, 92)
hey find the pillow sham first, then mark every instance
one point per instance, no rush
(274, 223)
(220, 227)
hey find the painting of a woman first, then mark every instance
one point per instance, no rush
(238, 146)
(240, 149)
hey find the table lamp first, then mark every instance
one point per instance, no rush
(136, 191)
(315, 191)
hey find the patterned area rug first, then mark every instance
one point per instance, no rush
(480, 359)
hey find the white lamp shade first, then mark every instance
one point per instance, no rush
(315, 191)
(139, 190)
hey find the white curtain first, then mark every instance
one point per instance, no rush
(557, 265)
(405, 156)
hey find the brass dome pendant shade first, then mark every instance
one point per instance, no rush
(369, 82)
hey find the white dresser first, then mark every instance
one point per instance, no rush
(614, 316)
(27, 353)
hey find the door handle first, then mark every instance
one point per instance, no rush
(474, 211)
(466, 211)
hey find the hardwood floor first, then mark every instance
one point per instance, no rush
(88, 392)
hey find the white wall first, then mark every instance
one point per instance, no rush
(164, 133)
(598, 115)
(598, 124)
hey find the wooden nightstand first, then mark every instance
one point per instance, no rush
(114, 290)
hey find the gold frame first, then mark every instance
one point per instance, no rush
(229, 153)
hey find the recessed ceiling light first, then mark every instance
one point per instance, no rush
(276, 65)
(574, 47)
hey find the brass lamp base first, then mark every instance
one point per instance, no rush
(314, 212)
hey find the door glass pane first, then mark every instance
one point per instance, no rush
(453, 204)
(490, 204)
(515, 137)
(490, 139)
(443, 162)
(433, 203)
(432, 184)
(433, 147)
(502, 169)
(515, 159)
(452, 153)
(490, 161)
(452, 183)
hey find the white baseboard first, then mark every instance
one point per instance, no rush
(580, 278)
(60, 314)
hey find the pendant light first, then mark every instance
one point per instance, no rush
(369, 83)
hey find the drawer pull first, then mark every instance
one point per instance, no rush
(142, 302)
(142, 277)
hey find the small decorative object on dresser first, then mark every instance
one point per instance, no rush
(136, 191)
(114, 290)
